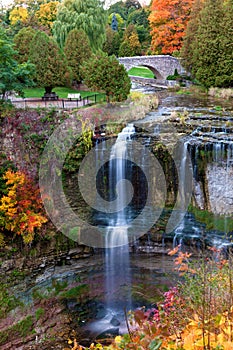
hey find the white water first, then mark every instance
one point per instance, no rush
(116, 241)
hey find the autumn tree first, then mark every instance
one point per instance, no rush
(74, 51)
(80, 14)
(22, 41)
(47, 13)
(18, 14)
(168, 21)
(21, 210)
(50, 62)
(13, 76)
(105, 74)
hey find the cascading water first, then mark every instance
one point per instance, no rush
(117, 251)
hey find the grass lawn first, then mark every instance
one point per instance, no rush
(141, 72)
(62, 92)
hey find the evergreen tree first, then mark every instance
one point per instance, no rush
(225, 63)
(190, 39)
(81, 14)
(114, 24)
(208, 47)
(75, 53)
(50, 62)
(112, 43)
(22, 42)
(125, 49)
(105, 73)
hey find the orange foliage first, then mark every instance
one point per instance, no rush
(168, 21)
(21, 207)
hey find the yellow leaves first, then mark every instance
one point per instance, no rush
(21, 207)
(18, 14)
(118, 339)
(47, 13)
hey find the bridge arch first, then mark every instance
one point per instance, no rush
(161, 65)
(156, 73)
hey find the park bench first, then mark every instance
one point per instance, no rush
(50, 96)
(74, 96)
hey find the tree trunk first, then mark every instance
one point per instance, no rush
(48, 89)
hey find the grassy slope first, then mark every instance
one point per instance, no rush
(141, 72)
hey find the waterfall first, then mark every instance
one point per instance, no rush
(117, 248)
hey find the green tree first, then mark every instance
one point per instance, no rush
(125, 49)
(75, 53)
(225, 63)
(210, 66)
(190, 39)
(105, 73)
(131, 45)
(132, 5)
(13, 76)
(120, 8)
(112, 43)
(50, 62)
(22, 41)
(80, 14)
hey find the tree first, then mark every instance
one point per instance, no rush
(18, 14)
(50, 62)
(47, 13)
(74, 52)
(112, 43)
(105, 73)
(225, 63)
(22, 41)
(131, 45)
(189, 41)
(119, 8)
(114, 24)
(21, 208)
(80, 14)
(120, 21)
(210, 66)
(31, 5)
(168, 21)
(132, 5)
(13, 76)
(139, 18)
(125, 49)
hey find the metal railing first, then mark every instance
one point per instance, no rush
(60, 103)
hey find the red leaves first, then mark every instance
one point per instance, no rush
(22, 206)
(168, 21)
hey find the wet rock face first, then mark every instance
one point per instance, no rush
(220, 188)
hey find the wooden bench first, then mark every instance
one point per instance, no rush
(74, 96)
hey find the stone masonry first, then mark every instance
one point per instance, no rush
(160, 65)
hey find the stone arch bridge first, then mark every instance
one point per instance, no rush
(160, 65)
